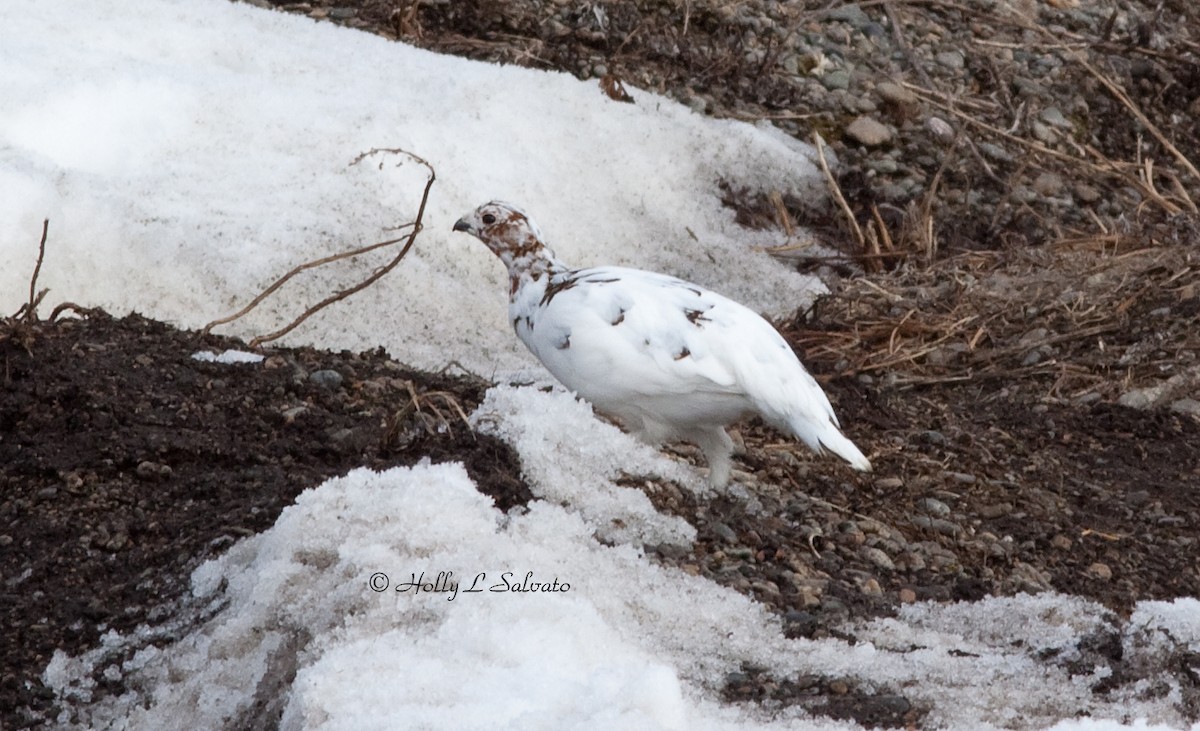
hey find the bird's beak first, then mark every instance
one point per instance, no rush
(462, 225)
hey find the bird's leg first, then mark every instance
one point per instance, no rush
(717, 448)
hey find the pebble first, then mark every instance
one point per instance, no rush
(995, 152)
(723, 532)
(884, 165)
(1100, 571)
(951, 59)
(1053, 117)
(909, 561)
(934, 507)
(1048, 184)
(850, 13)
(935, 438)
(1186, 406)
(329, 379)
(1043, 133)
(868, 131)
(150, 471)
(937, 525)
(878, 558)
(995, 510)
(1085, 193)
(960, 477)
(1025, 577)
(871, 587)
(878, 706)
(907, 596)
(839, 79)
(940, 128)
(895, 94)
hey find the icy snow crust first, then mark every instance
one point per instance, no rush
(187, 152)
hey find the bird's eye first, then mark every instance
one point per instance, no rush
(489, 219)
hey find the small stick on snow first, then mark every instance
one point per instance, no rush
(415, 228)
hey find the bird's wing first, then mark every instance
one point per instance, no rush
(617, 335)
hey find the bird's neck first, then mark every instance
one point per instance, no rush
(530, 266)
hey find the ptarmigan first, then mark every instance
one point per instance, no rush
(670, 359)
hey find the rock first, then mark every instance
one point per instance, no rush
(936, 438)
(1028, 578)
(937, 525)
(884, 706)
(329, 379)
(995, 510)
(878, 558)
(1099, 571)
(1028, 87)
(1085, 193)
(960, 477)
(1139, 398)
(907, 596)
(995, 152)
(889, 483)
(940, 128)
(868, 132)
(874, 30)
(1042, 133)
(152, 471)
(895, 94)
(1186, 406)
(1024, 194)
(934, 507)
(1053, 117)
(884, 165)
(909, 561)
(723, 532)
(834, 80)
(1048, 184)
(951, 59)
(850, 13)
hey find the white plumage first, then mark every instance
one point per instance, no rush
(670, 359)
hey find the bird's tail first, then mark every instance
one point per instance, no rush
(821, 433)
(836, 442)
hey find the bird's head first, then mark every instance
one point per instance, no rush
(512, 236)
(503, 227)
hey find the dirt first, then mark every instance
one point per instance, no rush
(127, 463)
(984, 379)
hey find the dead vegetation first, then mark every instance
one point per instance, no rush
(1098, 315)
(414, 228)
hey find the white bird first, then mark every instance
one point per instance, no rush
(669, 359)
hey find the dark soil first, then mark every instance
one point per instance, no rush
(127, 463)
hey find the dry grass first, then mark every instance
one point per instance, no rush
(1097, 314)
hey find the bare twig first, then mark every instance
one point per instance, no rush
(837, 192)
(28, 310)
(1119, 93)
(297, 270)
(415, 228)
